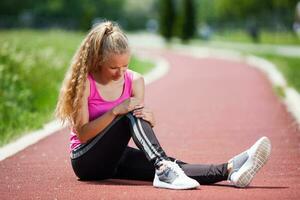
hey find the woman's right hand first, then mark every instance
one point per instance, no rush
(127, 106)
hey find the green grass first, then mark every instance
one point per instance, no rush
(140, 65)
(32, 67)
(266, 37)
(289, 67)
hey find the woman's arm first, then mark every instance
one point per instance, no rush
(89, 130)
(139, 92)
(138, 86)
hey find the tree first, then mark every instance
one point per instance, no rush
(74, 14)
(167, 18)
(187, 20)
(266, 12)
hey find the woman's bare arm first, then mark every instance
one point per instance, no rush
(139, 92)
(88, 129)
(138, 86)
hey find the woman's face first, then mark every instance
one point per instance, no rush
(115, 66)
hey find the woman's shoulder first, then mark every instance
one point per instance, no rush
(135, 75)
(138, 85)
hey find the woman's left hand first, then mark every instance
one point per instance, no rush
(146, 114)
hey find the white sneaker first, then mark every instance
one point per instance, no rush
(171, 176)
(257, 156)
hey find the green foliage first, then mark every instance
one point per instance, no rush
(69, 14)
(137, 13)
(167, 18)
(13, 7)
(78, 12)
(266, 13)
(32, 66)
(75, 14)
(289, 67)
(206, 11)
(267, 37)
(177, 18)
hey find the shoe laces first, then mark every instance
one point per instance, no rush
(174, 167)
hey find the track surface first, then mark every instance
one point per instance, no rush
(207, 110)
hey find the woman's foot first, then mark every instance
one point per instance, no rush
(249, 162)
(169, 175)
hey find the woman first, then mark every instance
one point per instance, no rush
(102, 100)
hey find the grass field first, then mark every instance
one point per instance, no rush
(266, 37)
(289, 67)
(32, 67)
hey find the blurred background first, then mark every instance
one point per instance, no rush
(236, 20)
(39, 37)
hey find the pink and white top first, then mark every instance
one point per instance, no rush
(97, 106)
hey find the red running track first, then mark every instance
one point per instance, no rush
(207, 111)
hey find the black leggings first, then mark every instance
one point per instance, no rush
(108, 156)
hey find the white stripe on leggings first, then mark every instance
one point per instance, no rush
(148, 147)
(146, 138)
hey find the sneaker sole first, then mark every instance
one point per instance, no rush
(169, 186)
(252, 166)
(160, 184)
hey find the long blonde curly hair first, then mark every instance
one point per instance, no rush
(102, 40)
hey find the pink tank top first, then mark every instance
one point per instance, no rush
(97, 106)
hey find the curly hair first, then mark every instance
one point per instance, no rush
(103, 39)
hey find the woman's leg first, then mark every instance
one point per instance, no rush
(99, 157)
(107, 155)
(205, 174)
(135, 166)
(145, 139)
(242, 168)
